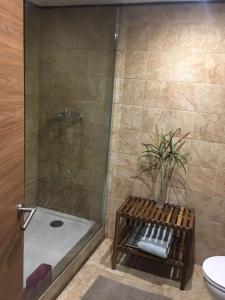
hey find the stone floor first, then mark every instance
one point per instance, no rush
(99, 264)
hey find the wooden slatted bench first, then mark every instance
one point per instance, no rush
(136, 211)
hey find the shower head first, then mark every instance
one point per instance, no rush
(68, 115)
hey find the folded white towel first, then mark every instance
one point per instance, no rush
(157, 240)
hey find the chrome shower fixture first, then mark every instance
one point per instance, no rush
(68, 115)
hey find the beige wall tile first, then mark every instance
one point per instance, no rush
(44, 193)
(177, 196)
(46, 84)
(116, 115)
(133, 91)
(59, 28)
(94, 62)
(210, 242)
(185, 96)
(143, 187)
(93, 88)
(216, 13)
(94, 136)
(219, 188)
(126, 165)
(192, 36)
(187, 13)
(32, 106)
(81, 201)
(136, 64)
(214, 68)
(119, 64)
(206, 207)
(93, 159)
(95, 113)
(99, 36)
(131, 117)
(112, 165)
(45, 171)
(32, 58)
(117, 90)
(163, 36)
(161, 66)
(31, 82)
(123, 187)
(136, 13)
(183, 66)
(129, 142)
(95, 15)
(31, 129)
(59, 60)
(66, 155)
(221, 158)
(32, 31)
(165, 120)
(113, 143)
(61, 197)
(168, 13)
(65, 85)
(212, 99)
(204, 154)
(167, 94)
(208, 127)
(184, 87)
(31, 172)
(31, 151)
(215, 37)
(31, 194)
(138, 36)
(122, 33)
(216, 209)
(201, 179)
(201, 126)
(70, 135)
(89, 180)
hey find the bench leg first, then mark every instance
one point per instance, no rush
(183, 278)
(115, 243)
(186, 260)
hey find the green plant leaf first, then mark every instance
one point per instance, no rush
(164, 153)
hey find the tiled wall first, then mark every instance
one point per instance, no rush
(31, 103)
(170, 71)
(76, 72)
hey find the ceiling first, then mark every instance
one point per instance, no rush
(97, 2)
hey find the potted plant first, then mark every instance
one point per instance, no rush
(162, 157)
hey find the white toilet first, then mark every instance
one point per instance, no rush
(214, 276)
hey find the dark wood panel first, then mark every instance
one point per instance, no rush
(11, 148)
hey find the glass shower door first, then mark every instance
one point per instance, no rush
(70, 53)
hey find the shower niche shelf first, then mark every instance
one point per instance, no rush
(136, 211)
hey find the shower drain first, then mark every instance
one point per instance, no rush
(56, 223)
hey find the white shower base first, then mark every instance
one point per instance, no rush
(46, 244)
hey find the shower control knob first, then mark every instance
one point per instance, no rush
(67, 172)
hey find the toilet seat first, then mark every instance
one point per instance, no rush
(214, 271)
(212, 283)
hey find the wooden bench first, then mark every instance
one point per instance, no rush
(136, 211)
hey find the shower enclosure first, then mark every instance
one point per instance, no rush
(69, 72)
